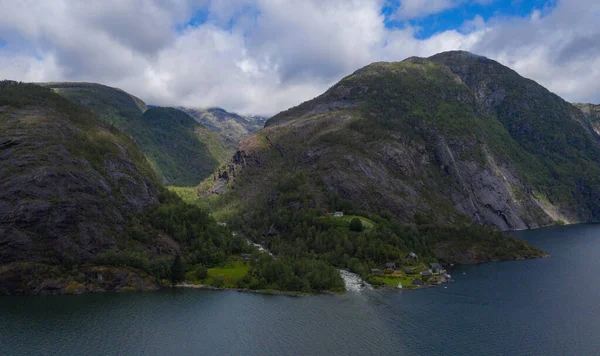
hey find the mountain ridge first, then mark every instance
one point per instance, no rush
(171, 158)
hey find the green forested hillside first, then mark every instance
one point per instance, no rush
(181, 151)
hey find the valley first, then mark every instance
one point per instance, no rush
(433, 157)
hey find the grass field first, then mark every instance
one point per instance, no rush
(229, 274)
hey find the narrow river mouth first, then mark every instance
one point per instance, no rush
(353, 282)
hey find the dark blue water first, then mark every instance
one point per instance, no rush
(547, 306)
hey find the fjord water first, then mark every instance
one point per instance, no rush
(546, 306)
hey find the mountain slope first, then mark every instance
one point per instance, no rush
(180, 150)
(426, 141)
(231, 127)
(80, 207)
(545, 126)
(68, 184)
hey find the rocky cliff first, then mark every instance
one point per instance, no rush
(592, 113)
(231, 127)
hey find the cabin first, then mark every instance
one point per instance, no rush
(245, 256)
(436, 268)
(426, 273)
(376, 271)
(412, 256)
(418, 282)
(338, 214)
(409, 271)
(390, 266)
(328, 213)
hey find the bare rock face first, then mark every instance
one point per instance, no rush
(592, 113)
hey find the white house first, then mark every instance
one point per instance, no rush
(338, 214)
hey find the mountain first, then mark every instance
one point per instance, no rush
(592, 112)
(231, 127)
(180, 150)
(80, 207)
(427, 141)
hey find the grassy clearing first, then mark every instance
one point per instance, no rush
(226, 276)
(187, 194)
(344, 221)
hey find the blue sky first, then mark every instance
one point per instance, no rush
(264, 56)
(454, 17)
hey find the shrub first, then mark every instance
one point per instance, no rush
(201, 272)
(356, 225)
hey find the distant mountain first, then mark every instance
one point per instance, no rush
(426, 140)
(592, 113)
(180, 150)
(230, 126)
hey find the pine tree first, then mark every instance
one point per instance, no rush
(177, 270)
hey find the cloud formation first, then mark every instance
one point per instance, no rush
(263, 56)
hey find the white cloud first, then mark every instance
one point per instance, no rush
(262, 56)
(410, 9)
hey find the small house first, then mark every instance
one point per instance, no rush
(390, 266)
(426, 273)
(376, 271)
(436, 268)
(409, 271)
(328, 213)
(412, 256)
(338, 214)
(418, 282)
(245, 256)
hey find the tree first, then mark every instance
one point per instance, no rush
(356, 225)
(177, 270)
(201, 272)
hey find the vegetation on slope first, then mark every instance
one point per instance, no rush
(181, 151)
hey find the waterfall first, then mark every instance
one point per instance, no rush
(353, 282)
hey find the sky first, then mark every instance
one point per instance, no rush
(263, 56)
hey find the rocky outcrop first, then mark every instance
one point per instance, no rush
(592, 113)
(230, 127)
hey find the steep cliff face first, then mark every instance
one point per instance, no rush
(68, 183)
(592, 113)
(453, 134)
